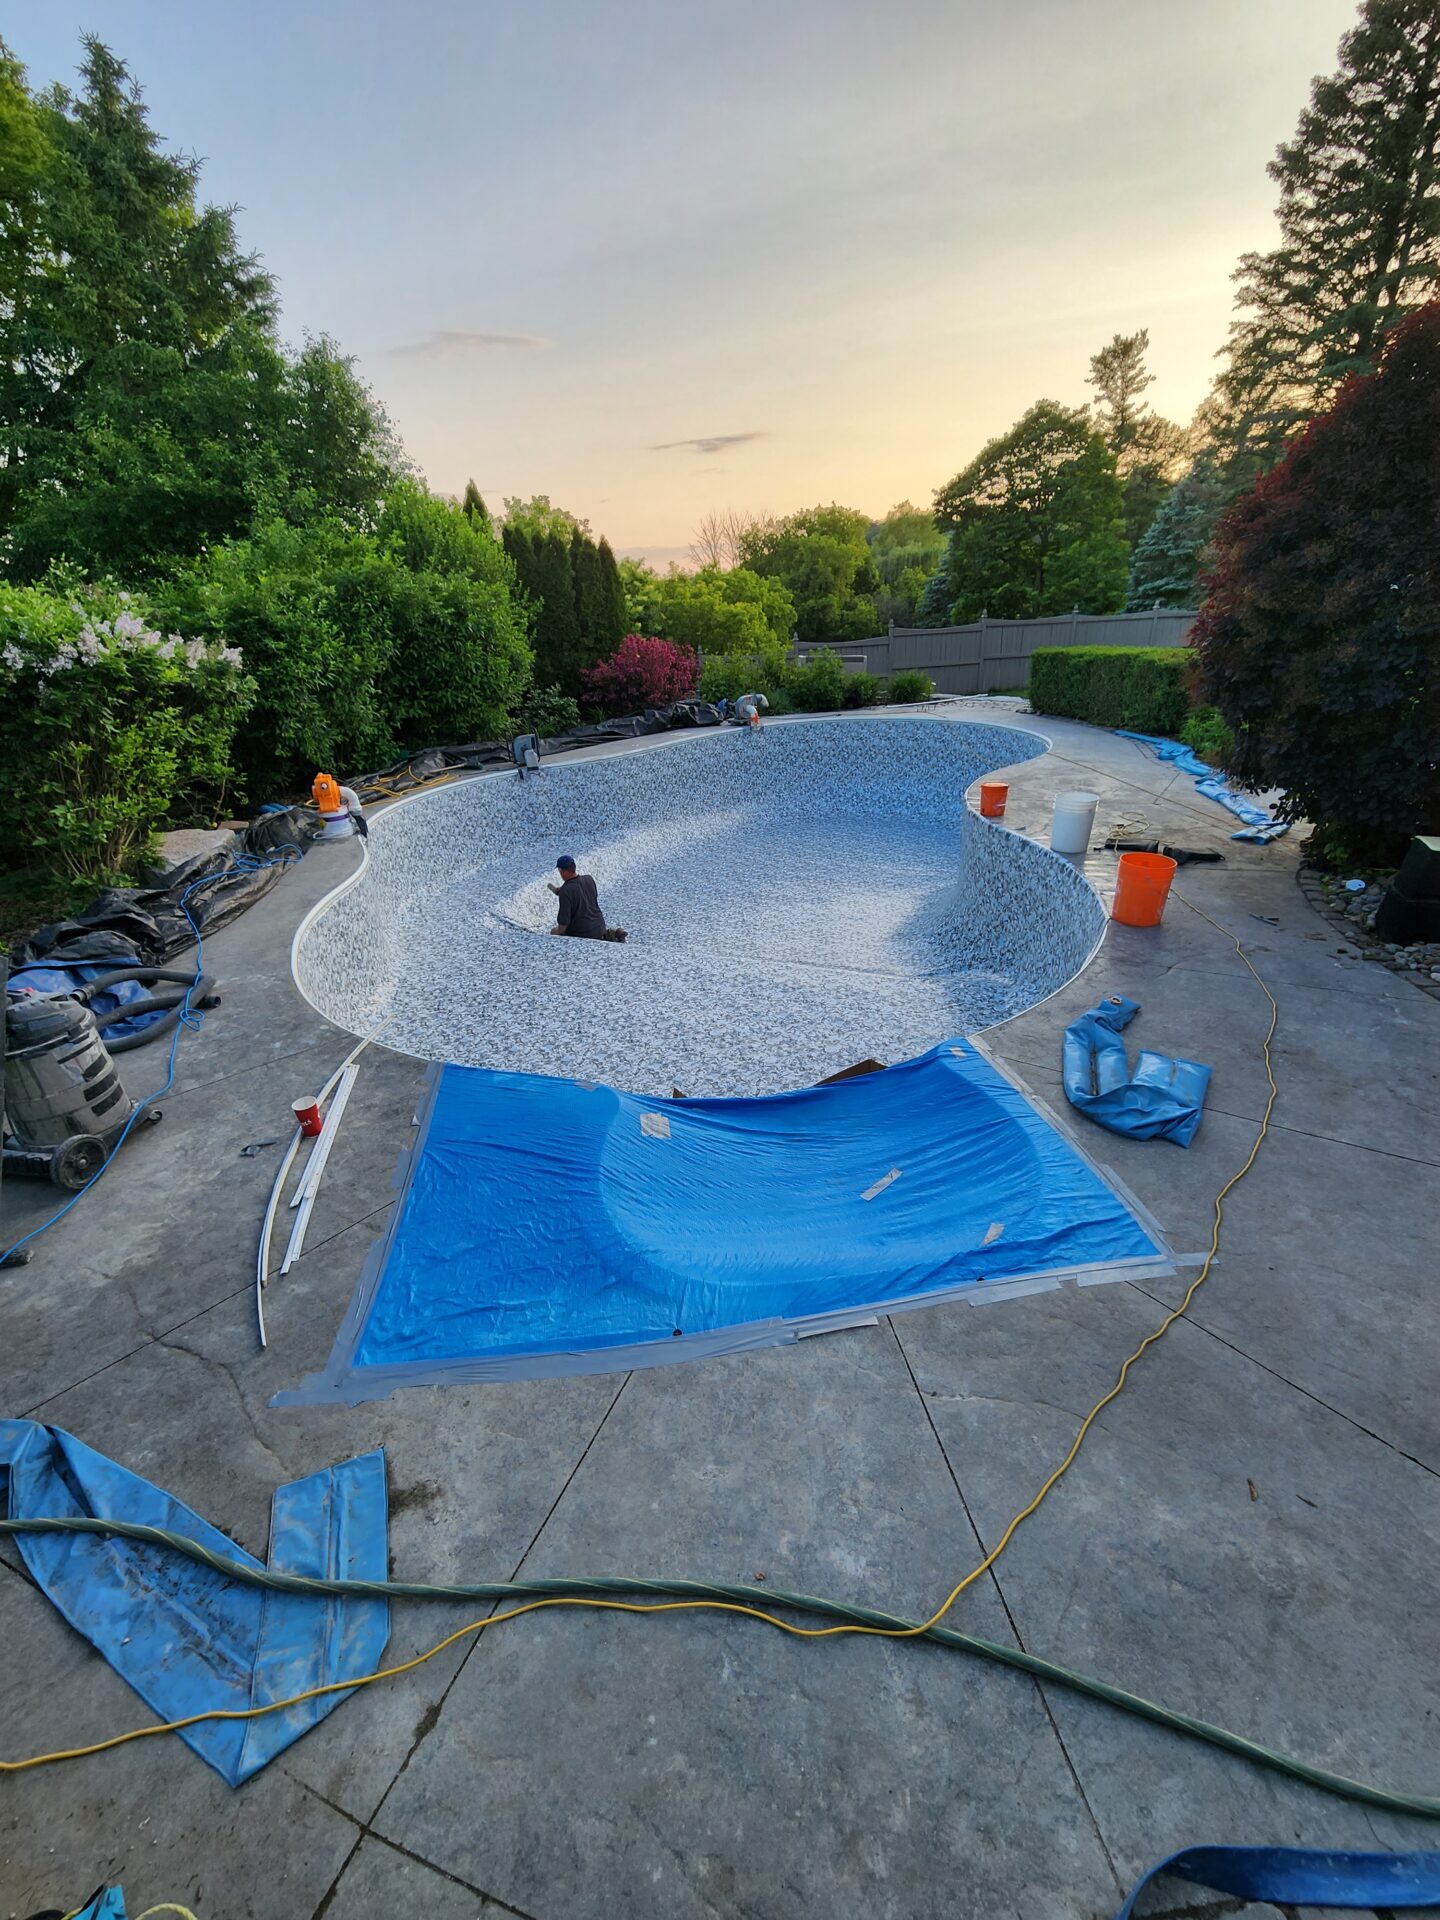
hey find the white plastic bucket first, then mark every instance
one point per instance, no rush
(337, 825)
(1073, 822)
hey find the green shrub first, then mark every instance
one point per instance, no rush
(546, 711)
(361, 646)
(725, 676)
(1144, 689)
(1206, 733)
(862, 690)
(109, 730)
(818, 686)
(909, 685)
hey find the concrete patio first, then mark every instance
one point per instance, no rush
(1251, 1533)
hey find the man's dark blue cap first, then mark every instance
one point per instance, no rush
(565, 862)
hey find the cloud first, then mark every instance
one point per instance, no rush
(446, 344)
(709, 442)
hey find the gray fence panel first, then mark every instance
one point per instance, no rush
(991, 654)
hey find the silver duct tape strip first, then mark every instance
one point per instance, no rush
(886, 1180)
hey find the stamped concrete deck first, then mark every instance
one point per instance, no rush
(1251, 1532)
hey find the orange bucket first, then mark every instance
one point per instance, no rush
(993, 795)
(1142, 886)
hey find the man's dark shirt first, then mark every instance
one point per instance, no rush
(579, 908)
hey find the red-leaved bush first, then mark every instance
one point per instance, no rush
(642, 672)
(1319, 639)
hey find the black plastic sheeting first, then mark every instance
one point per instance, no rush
(419, 768)
(146, 924)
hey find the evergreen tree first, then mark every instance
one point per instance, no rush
(151, 285)
(473, 505)
(1166, 564)
(146, 408)
(1359, 232)
(933, 608)
(617, 623)
(559, 655)
(1144, 444)
(592, 608)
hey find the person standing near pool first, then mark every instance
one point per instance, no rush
(579, 905)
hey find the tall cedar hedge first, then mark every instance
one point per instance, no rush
(1142, 688)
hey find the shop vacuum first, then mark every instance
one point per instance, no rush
(64, 1108)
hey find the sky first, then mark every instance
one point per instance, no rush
(667, 256)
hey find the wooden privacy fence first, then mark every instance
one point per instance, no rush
(991, 655)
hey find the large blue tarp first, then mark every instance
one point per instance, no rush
(186, 1638)
(552, 1225)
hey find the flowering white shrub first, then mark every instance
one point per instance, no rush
(109, 729)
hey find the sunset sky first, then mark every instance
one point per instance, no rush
(652, 259)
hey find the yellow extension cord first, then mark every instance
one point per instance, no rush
(729, 1606)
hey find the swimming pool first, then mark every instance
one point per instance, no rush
(795, 900)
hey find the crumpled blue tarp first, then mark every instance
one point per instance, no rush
(1304, 1876)
(1260, 823)
(39, 977)
(108, 1903)
(552, 1225)
(1161, 1100)
(183, 1636)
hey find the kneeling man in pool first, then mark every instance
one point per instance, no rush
(579, 905)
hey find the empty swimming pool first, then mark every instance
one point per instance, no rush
(795, 900)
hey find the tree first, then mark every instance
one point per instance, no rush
(1037, 521)
(715, 612)
(559, 644)
(718, 539)
(1359, 243)
(932, 609)
(905, 547)
(1145, 446)
(146, 408)
(538, 517)
(617, 622)
(26, 159)
(595, 607)
(820, 555)
(1169, 558)
(124, 279)
(1319, 639)
(637, 581)
(473, 505)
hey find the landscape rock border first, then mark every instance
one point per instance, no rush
(1352, 921)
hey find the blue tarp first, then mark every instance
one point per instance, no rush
(1304, 1876)
(556, 1226)
(187, 1638)
(39, 976)
(1161, 1100)
(1260, 823)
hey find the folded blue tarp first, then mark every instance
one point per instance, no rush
(553, 1226)
(186, 1638)
(1260, 823)
(1161, 1100)
(41, 977)
(1304, 1876)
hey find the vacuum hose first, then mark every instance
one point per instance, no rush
(169, 1002)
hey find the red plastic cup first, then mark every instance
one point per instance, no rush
(307, 1114)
